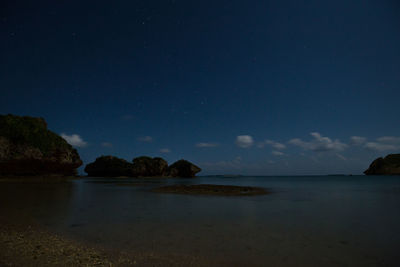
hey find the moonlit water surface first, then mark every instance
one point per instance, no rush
(306, 221)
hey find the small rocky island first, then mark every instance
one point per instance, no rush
(110, 166)
(28, 148)
(212, 189)
(390, 165)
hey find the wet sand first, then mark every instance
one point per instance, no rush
(30, 246)
(25, 243)
(33, 246)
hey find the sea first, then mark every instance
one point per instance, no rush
(304, 221)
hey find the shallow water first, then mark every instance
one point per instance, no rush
(306, 221)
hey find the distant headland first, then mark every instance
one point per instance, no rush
(389, 165)
(28, 148)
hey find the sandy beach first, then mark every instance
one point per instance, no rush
(30, 246)
(25, 243)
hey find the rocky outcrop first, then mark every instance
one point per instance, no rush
(390, 165)
(27, 147)
(109, 166)
(183, 168)
(146, 167)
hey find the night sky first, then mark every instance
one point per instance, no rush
(245, 87)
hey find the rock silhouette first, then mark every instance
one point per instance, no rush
(109, 166)
(144, 166)
(390, 165)
(27, 147)
(183, 168)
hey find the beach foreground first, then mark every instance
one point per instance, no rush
(32, 246)
(29, 246)
(305, 221)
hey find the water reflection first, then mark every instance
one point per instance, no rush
(47, 203)
(324, 221)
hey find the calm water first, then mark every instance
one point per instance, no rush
(306, 221)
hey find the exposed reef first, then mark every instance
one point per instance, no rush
(27, 148)
(390, 165)
(110, 166)
(211, 189)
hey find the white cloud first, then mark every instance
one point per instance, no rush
(275, 145)
(165, 150)
(380, 146)
(206, 144)
(389, 140)
(384, 143)
(244, 141)
(146, 139)
(357, 140)
(277, 153)
(106, 144)
(74, 140)
(319, 143)
(341, 156)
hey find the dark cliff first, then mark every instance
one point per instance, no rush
(390, 165)
(27, 147)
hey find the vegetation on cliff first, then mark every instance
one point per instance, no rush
(27, 147)
(390, 165)
(183, 168)
(109, 166)
(147, 166)
(143, 166)
(30, 131)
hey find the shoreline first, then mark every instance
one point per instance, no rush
(29, 244)
(38, 178)
(23, 242)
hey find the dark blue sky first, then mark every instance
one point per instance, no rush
(252, 87)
